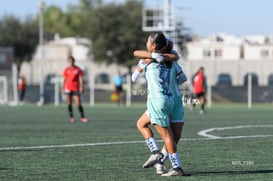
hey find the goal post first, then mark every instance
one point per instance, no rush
(6, 59)
(3, 90)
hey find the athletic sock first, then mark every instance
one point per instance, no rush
(152, 145)
(203, 107)
(70, 110)
(81, 111)
(165, 155)
(174, 158)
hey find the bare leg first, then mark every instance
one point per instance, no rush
(167, 137)
(143, 126)
(177, 131)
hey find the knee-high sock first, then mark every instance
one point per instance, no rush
(81, 111)
(70, 110)
(152, 145)
(175, 161)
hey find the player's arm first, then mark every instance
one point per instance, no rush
(142, 54)
(173, 56)
(204, 84)
(148, 56)
(81, 84)
(135, 75)
(25, 81)
(63, 85)
(156, 56)
(139, 69)
(180, 75)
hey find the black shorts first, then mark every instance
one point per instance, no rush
(201, 94)
(119, 88)
(72, 93)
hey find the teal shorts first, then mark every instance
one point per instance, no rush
(158, 110)
(177, 113)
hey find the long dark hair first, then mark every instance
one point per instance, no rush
(159, 39)
(169, 45)
(72, 58)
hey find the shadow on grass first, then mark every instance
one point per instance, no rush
(231, 172)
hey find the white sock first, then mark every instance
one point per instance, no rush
(165, 155)
(174, 158)
(151, 144)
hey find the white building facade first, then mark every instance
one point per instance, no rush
(223, 53)
(53, 58)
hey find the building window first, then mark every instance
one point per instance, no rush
(218, 53)
(264, 54)
(206, 54)
(102, 78)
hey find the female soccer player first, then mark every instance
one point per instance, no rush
(177, 113)
(73, 87)
(199, 88)
(159, 105)
(22, 84)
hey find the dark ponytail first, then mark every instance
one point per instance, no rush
(159, 39)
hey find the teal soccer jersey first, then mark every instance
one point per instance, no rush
(177, 113)
(173, 87)
(160, 99)
(158, 79)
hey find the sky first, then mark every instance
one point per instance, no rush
(203, 17)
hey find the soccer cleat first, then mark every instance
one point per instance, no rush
(160, 168)
(202, 111)
(72, 120)
(84, 120)
(154, 158)
(174, 172)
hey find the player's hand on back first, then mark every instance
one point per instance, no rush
(147, 61)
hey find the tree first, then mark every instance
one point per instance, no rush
(71, 23)
(22, 36)
(57, 21)
(116, 31)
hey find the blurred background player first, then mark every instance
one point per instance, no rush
(199, 88)
(73, 87)
(118, 81)
(22, 84)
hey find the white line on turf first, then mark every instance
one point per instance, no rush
(84, 145)
(201, 133)
(205, 132)
(126, 142)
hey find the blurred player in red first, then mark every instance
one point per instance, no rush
(22, 84)
(73, 87)
(199, 88)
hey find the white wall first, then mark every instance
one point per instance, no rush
(254, 52)
(229, 51)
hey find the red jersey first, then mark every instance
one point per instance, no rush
(72, 75)
(21, 84)
(198, 83)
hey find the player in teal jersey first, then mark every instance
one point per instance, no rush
(177, 113)
(159, 105)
